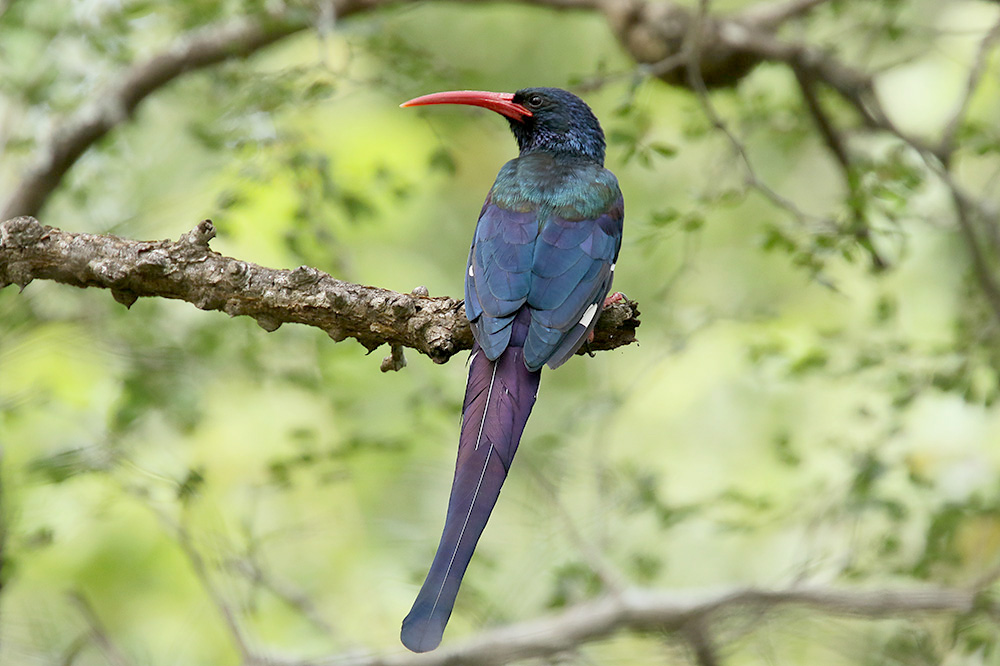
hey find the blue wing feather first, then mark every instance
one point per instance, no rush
(548, 293)
(513, 257)
(498, 276)
(553, 260)
(560, 300)
(564, 234)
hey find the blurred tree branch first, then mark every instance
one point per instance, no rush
(97, 633)
(188, 270)
(652, 32)
(645, 611)
(116, 104)
(752, 35)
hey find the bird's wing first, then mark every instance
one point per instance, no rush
(572, 271)
(498, 276)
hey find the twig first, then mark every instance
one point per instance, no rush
(97, 631)
(980, 265)
(692, 50)
(250, 568)
(73, 650)
(204, 577)
(701, 644)
(835, 143)
(946, 147)
(824, 125)
(854, 86)
(113, 106)
(667, 65)
(610, 578)
(395, 361)
(967, 210)
(771, 15)
(738, 43)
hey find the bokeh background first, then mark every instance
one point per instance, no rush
(187, 487)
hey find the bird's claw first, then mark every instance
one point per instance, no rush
(614, 298)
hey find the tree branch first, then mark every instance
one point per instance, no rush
(837, 146)
(773, 15)
(701, 644)
(644, 611)
(653, 33)
(112, 654)
(228, 614)
(982, 268)
(202, 48)
(116, 105)
(188, 270)
(947, 145)
(730, 46)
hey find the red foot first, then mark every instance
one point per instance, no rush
(614, 298)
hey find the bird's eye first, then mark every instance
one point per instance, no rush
(535, 101)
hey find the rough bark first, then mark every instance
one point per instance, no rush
(187, 269)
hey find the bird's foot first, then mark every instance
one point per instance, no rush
(614, 298)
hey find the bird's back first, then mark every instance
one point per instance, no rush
(547, 239)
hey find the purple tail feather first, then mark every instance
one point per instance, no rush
(498, 399)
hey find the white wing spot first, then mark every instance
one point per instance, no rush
(612, 269)
(472, 275)
(588, 315)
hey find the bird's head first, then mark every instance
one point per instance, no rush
(543, 119)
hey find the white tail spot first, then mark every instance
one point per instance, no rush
(471, 274)
(588, 315)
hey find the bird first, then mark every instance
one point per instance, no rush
(540, 267)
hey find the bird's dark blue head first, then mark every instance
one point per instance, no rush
(559, 122)
(542, 119)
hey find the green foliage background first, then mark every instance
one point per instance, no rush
(790, 414)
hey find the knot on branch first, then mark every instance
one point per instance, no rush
(659, 35)
(395, 361)
(17, 236)
(200, 235)
(304, 276)
(21, 231)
